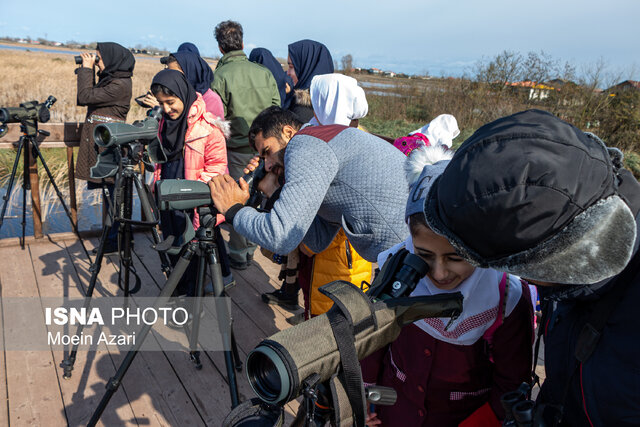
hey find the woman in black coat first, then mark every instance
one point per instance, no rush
(107, 100)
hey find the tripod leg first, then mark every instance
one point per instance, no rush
(148, 213)
(236, 354)
(225, 324)
(24, 215)
(70, 360)
(115, 381)
(59, 194)
(12, 178)
(196, 312)
(26, 185)
(126, 235)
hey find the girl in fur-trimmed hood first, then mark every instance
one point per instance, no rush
(450, 371)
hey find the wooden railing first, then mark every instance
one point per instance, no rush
(62, 135)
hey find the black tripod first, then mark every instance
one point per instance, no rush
(28, 142)
(204, 247)
(120, 211)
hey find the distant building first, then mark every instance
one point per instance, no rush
(625, 85)
(536, 91)
(375, 71)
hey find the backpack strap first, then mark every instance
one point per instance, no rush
(502, 309)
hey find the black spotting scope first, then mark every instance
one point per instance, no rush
(28, 111)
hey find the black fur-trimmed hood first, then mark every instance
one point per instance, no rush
(534, 196)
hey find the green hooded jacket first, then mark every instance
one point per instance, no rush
(246, 89)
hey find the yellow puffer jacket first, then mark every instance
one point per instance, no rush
(338, 262)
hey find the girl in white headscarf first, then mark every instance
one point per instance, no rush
(337, 100)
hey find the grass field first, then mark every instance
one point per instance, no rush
(396, 105)
(27, 76)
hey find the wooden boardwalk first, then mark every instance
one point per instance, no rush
(160, 388)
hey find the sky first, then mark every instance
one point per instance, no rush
(438, 37)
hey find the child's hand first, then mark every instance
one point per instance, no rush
(372, 420)
(150, 100)
(253, 164)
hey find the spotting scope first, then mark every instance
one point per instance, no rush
(110, 134)
(183, 194)
(28, 111)
(277, 367)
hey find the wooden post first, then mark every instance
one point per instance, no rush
(72, 186)
(36, 209)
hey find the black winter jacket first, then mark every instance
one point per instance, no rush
(605, 391)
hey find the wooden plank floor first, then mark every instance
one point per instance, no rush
(160, 388)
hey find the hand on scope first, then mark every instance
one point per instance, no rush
(88, 60)
(226, 193)
(269, 184)
(253, 164)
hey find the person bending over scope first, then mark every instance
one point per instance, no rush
(334, 177)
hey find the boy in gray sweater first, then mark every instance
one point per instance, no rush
(334, 177)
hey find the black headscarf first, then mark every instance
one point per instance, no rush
(196, 69)
(265, 57)
(309, 59)
(188, 47)
(118, 62)
(174, 131)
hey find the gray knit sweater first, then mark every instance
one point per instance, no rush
(335, 177)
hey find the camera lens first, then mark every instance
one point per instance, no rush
(268, 375)
(264, 376)
(78, 59)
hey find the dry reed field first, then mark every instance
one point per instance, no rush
(28, 76)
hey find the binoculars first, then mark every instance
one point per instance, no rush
(78, 59)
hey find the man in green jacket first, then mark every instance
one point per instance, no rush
(246, 89)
